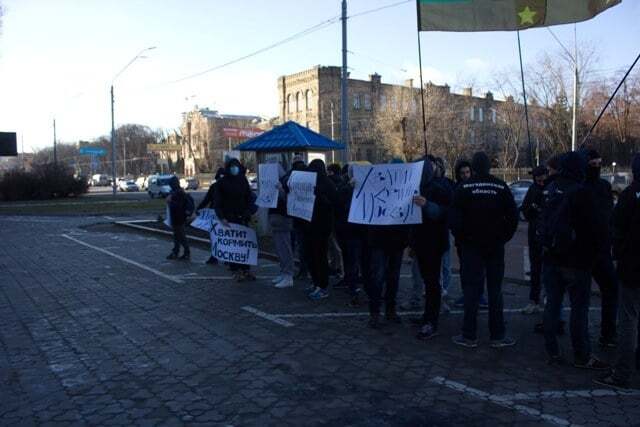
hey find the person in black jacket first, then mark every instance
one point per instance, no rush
(604, 272)
(177, 202)
(531, 209)
(572, 237)
(336, 261)
(626, 250)
(233, 201)
(207, 203)
(430, 241)
(484, 217)
(316, 239)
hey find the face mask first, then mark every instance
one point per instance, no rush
(235, 170)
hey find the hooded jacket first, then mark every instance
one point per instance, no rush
(626, 231)
(233, 198)
(603, 194)
(433, 234)
(326, 199)
(484, 213)
(590, 233)
(177, 202)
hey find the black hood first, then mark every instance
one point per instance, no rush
(318, 167)
(481, 164)
(635, 167)
(459, 165)
(174, 183)
(573, 165)
(233, 162)
(219, 173)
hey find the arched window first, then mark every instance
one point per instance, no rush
(307, 100)
(289, 110)
(298, 102)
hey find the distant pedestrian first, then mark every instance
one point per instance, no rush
(626, 248)
(181, 207)
(484, 217)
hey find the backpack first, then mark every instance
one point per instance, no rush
(189, 205)
(556, 233)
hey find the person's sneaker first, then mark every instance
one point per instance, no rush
(185, 257)
(593, 364)
(249, 276)
(285, 282)
(464, 342)
(427, 332)
(374, 322)
(318, 294)
(607, 342)
(310, 289)
(532, 308)
(172, 256)
(212, 261)
(610, 380)
(504, 342)
(459, 303)
(277, 279)
(483, 304)
(556, 361)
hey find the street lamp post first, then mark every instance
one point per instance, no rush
(113, 127)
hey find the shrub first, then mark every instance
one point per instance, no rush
(45, 181)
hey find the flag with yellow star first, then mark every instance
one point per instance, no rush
(505, 15)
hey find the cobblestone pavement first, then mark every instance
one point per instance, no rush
(98, 329)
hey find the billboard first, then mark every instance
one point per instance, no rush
(8, 144)
(155, 148)
(93, 151)
(241, 133)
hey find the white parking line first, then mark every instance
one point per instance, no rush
(222, 277)
(498, 400)
(123, 259)
(267, 316)
(568, 394)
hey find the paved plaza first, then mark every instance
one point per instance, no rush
(99, 329)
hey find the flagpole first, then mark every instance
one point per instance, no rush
(610, 100)
(526, 108)
(424, 117)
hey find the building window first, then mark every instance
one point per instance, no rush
(472, 137)
(289, 110)
(493, 115)
(298, 102)
(367, 102)
(356, 101)
(480, 114)
(472, 114)
(307, 100)
(383, 102)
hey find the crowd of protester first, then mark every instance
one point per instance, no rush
(575, 232)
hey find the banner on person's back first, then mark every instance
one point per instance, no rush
(204, 220)
(383, 194)
(236, 243)
(301, 198)
(268, 185)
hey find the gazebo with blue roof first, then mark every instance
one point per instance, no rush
(290, 137)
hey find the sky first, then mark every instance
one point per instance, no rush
(59, 58)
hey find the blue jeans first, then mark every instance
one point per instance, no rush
(577, 284)
(385, 269)
(479, 264)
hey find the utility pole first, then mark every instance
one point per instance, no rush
(574, 126)
(124, 157)
(344, 90)
(55, 147)
(333, 153)
(113, 145)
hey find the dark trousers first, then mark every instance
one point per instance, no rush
(351, 247)
(479, 264)
(316, 247)
(430, 262)
(629, 334)
(299, 249)
(385, 267)
(577, 284)
(535, 263)
(605, 276)
(180, 239)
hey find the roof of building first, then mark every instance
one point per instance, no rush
(290, 136)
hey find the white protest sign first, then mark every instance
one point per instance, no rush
(302, 196)
(204, 220)
(383, 194)
(267, 184)
(167, 219)
(236, 244)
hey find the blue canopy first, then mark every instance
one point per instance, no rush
(290, 137)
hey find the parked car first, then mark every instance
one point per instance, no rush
(189, 183)
(158, 185)
(141, 182)
(100, 180)
(127, 185)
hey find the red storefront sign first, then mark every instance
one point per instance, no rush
(241, 133)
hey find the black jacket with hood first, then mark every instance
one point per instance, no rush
(586, 223)
(233, 198)
(483, 213)
(603, 194)
(433, 234)
(626, 231)
(459, 165)
(177, 202)
(326, 199)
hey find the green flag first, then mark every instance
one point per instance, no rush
(505, 15)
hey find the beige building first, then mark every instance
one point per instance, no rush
(312, 98)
